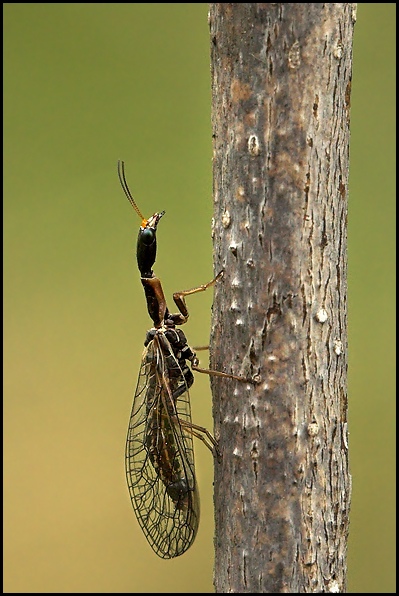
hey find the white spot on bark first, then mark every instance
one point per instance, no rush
(338, 50)
(253, 145)
(234, 307)
(345, 435)
(292, 322)
(294, 57)
(226, 219)
(334, 587)
(321, 315)
(337, 343)
(313, 429)
(233, 247)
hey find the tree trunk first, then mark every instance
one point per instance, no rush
(281, 79)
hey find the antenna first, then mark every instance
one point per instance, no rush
(122, 179)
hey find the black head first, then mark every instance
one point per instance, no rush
(147, 244)
(146, 241)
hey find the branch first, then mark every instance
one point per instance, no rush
(281, 77)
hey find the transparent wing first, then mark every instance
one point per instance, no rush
(160, 456)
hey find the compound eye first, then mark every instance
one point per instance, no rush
(147, 236)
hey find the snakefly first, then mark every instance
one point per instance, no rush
(159, 452)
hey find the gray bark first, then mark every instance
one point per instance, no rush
(281, 79)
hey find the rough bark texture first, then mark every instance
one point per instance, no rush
(281, 79)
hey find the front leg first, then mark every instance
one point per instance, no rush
(179, 298)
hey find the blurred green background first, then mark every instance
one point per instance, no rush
(84, 86)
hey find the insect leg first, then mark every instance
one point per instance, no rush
(218, 373)
(203, 434)
(179, 297)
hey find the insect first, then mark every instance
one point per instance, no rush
(159, 452)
